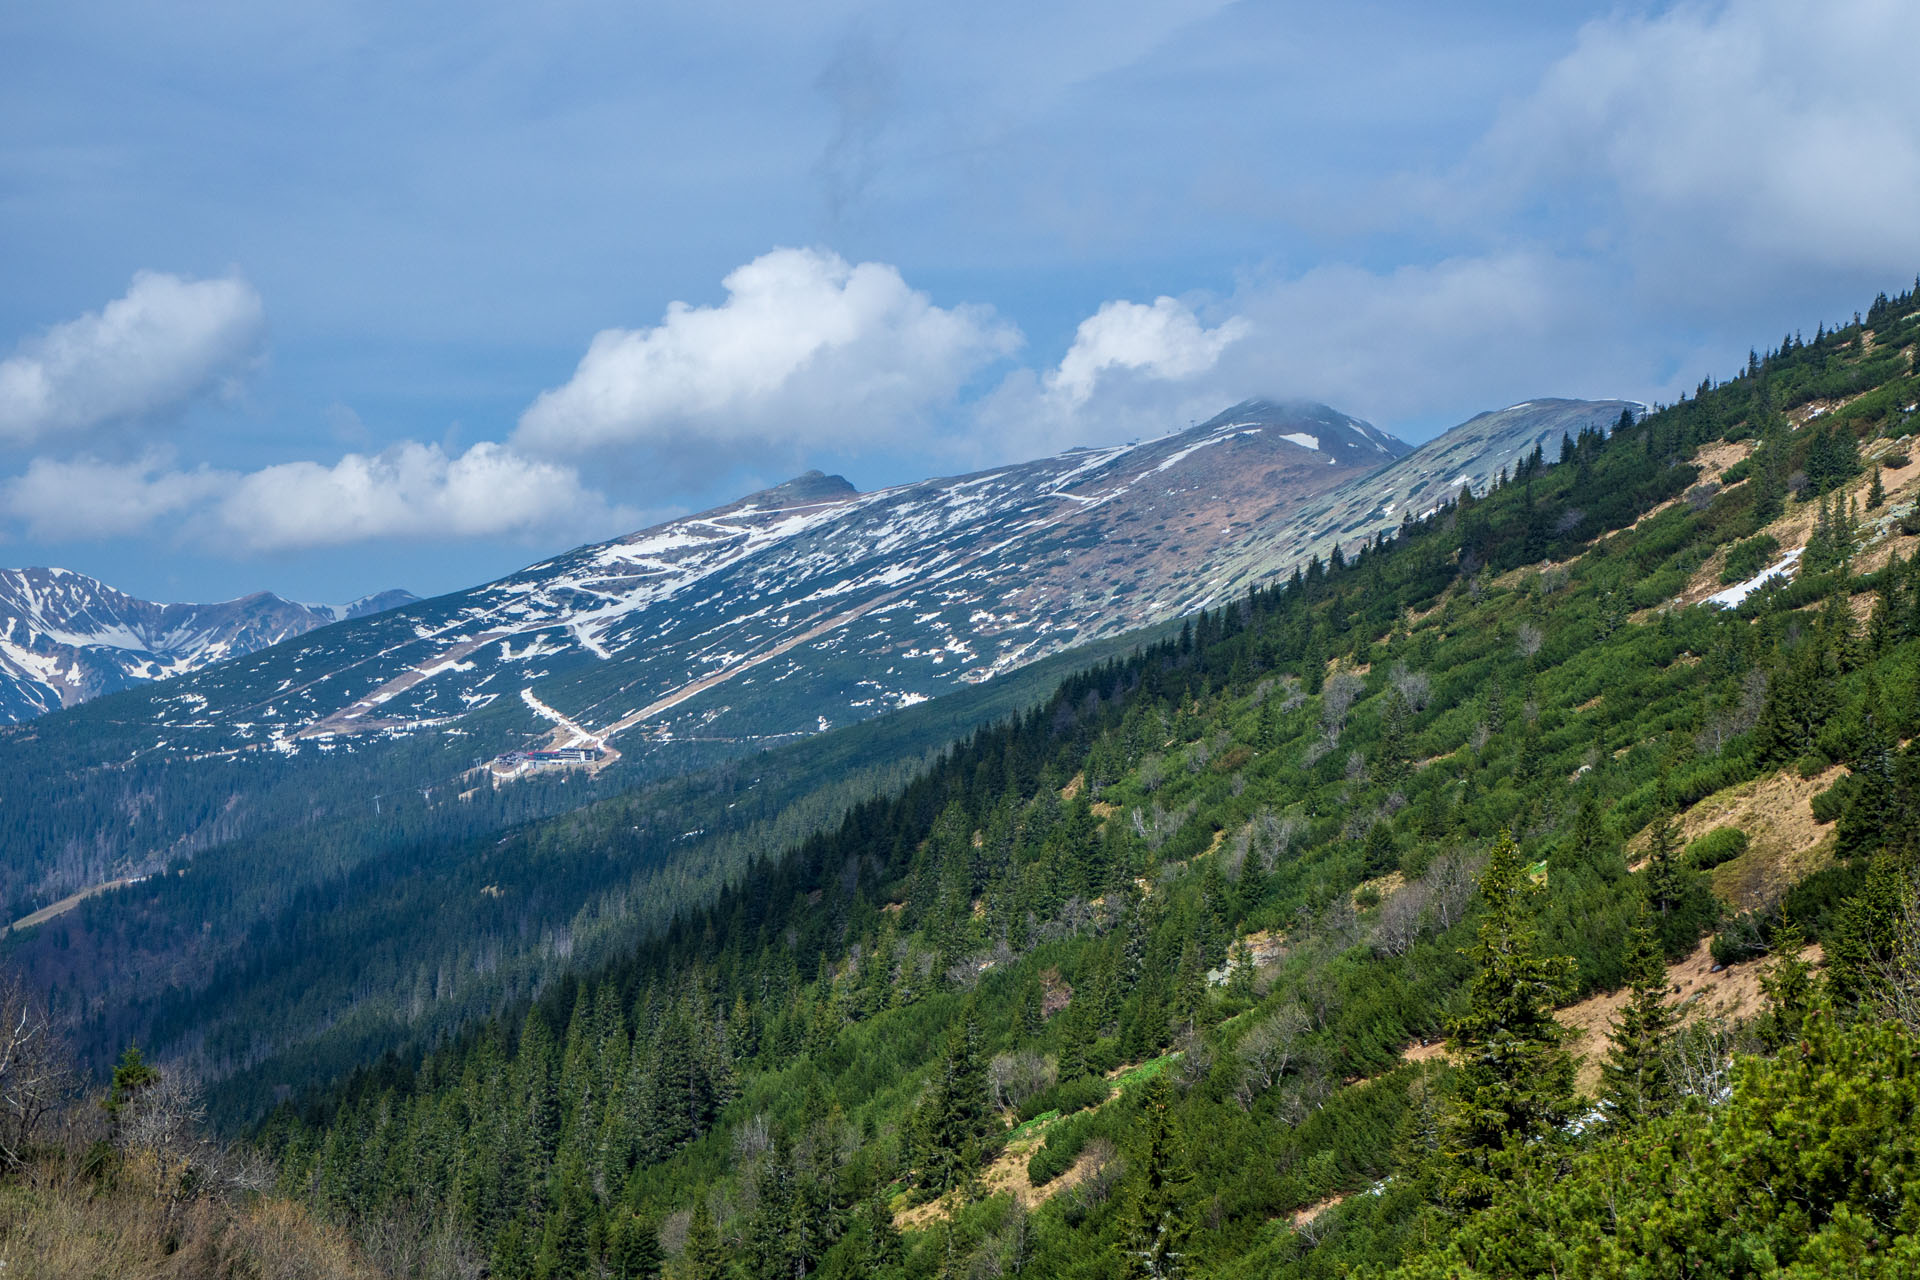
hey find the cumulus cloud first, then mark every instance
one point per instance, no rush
(86, 498)
(806, 350)
(409, 491)
(164, 343)
(1133, 369)
(1163, 341)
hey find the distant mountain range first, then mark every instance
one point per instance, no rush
(809, 604)
(965, 577)
(66, 637)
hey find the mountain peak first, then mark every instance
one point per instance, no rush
(1345, 440)
(808, 486)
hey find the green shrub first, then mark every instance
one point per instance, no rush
(1057, 1154)
(1722, 844)
(1745, 559)
(1828, 804)
(1067, 1097)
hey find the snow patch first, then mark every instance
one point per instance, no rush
(1733, 597)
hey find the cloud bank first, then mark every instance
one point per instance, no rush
(86, 498)
(1765, 137)
(411, 490)
(165, 342)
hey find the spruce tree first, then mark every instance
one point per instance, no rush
(634, 1252)
(706, 1258)
(1514, 1085)
(884, 1247)
(131, 1075)
(1635, 1077)
(1865, 932)
(563, 1245)
(1665, 882)
(1032, 1017)
(1788, 984)
(766, 1248)
(959, 1114)
(1157, 1223)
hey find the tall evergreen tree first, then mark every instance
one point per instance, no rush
(706, 1257)
(1789, 986)
(1158, 1221)
(634, 1251)
(1635, 1077)
(1514, 1086)
(884, 1247)
(958, 1111)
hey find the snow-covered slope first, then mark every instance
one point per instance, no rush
(66, 637)
(1469, 456)
(811, 604)
(801, 607)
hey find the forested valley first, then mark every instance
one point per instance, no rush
(1240, 955)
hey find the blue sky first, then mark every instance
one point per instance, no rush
(334, 297)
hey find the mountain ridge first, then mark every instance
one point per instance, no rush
(66, 636)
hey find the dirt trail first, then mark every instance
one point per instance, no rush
(1006, 1175)
(66, 904)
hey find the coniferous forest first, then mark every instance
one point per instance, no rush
(1252, 951)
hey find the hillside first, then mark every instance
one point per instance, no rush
(341, 817)
(66, 637)
(1185, 935)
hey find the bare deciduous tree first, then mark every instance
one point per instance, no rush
(1337, 697)
(1414, 687)
(1454, 879)
(1895, 983)
(1015, 1077)
(35, 1077)
(1403, 918)
(1356, 766)
(1267, 1051)
(1196, 1058)
(1700, 1055)
(1292, 696)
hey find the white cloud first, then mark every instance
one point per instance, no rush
(164, 343)
(807, 350)
(1164, 341)
(411, 490)
(1134, 369)
(85, 498)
